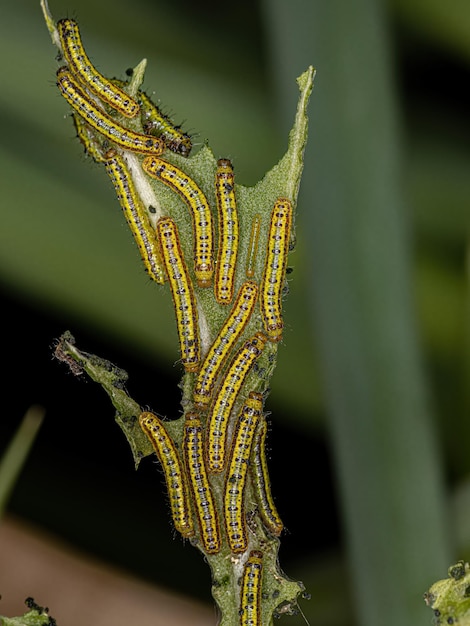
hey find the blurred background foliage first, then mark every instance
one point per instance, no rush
(370, 439)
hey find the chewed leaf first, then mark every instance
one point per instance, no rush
(113, 380)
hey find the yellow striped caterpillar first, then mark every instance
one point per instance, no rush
(157, 123)
(250, 601)
(81, 66)
(234, 493)
(101, 121)
(181, 291)
(223, 344)
(173, 471)
(228, 232)
(261, 483)
(199, 209)
(227, 392)
(136, 216)
(193, 452)
(275, 269)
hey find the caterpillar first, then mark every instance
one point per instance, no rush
(100, 121)
(234, 492)
(261, 484)
(81, 66)
(199, 209)
(136, 215)
(223, 344)
(182, 292)
(157, 123)
(250, 602)
(275, 269)
(173, 471)
(228, 232)
(193, 451)
(219, 413)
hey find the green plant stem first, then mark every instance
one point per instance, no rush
(388, 466)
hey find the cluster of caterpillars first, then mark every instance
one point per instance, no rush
(216, 439)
